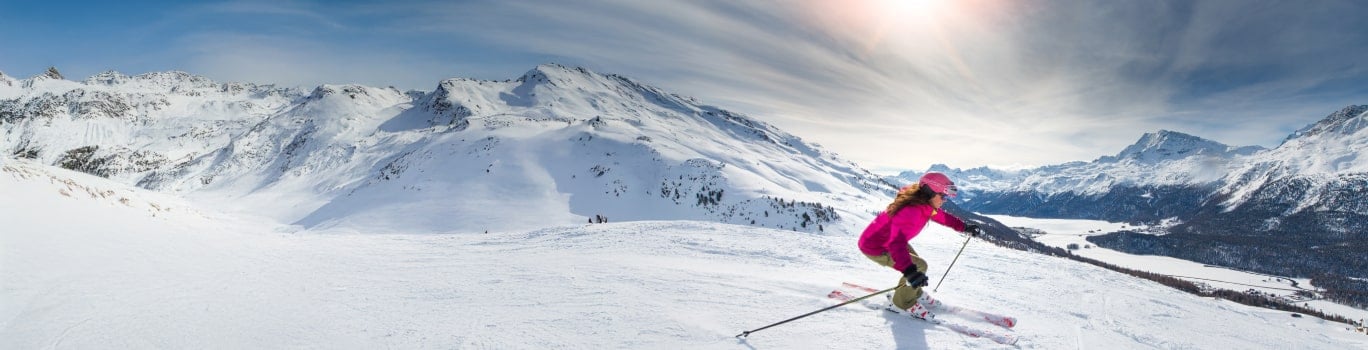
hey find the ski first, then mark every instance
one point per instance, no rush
(850, 291)
(1007, 339)
(1000, 320)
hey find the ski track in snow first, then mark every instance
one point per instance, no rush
(122, 276)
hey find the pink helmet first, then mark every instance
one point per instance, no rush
(940, 183)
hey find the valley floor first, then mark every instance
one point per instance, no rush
(1063, 233)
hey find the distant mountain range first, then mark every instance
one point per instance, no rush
(558, 145)
(1298, 209)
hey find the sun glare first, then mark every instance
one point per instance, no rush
(893, 16)
(899, 25)
(908, 7)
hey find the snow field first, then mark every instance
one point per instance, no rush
(86, 271)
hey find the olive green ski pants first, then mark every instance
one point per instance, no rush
(903, 297)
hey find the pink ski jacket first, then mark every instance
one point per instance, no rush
(889, 235)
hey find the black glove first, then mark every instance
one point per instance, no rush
(973, 230)
(914, 278)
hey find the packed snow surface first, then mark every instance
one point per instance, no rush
(90, 263)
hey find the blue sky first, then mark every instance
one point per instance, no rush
(890, 84)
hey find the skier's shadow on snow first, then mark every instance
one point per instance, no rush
(907, 333)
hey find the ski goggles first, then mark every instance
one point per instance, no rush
(950, 191)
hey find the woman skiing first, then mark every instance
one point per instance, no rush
(885, 241)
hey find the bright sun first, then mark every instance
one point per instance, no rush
(890, 16)
(875, 24)
(908, 7)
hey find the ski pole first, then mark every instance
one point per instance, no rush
(747, 333)
(952, 263)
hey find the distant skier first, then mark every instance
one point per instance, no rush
(885, 241)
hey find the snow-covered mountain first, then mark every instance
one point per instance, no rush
(1312, 188)
(1167, 173)
(143, 269)
(6, 81)
(1322, 156)
(1166, 146)
(1157, 158)
(558, 145)
(1163, 174)
(122, 127)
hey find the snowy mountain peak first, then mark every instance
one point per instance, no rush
(351, 91)
(347, 107)
(970, 181)
(575, 83)
(51, 77)
(456, 99)
(108, 78)
(957, 173)
(1337, 144)
(940, 168)
(548, 91)
(1165, 145)
(555, 72)
(52, 73)
(1347, 121)
(175, 81)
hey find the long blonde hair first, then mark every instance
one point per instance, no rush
(910, 195)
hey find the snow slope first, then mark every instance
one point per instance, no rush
(558, 145)
(91, 263)
(1329, 156)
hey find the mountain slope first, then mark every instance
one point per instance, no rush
(187, 278)
(1298, 209)
(558, 145)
